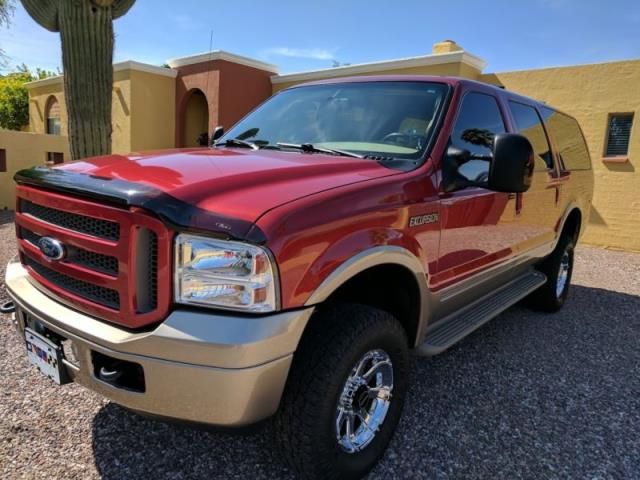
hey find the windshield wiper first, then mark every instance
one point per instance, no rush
(236, 142)
(310, 148)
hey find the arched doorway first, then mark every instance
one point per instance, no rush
(195, 119)
(52, 116)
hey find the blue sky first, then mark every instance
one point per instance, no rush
(303, 35)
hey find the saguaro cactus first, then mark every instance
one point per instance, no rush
(86, 32)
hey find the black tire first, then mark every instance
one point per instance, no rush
(547, 298)
(337, 338)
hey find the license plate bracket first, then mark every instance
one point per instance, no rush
(46, 355)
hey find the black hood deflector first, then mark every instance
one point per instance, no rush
(175, 213)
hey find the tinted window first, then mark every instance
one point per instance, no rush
(529, 124)
(479, 120)
(568, 139)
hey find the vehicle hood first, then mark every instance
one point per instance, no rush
(226, 184)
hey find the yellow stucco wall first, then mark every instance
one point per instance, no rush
(121, 109)
(153, 108)
(24, 150)
(455, 69)
(590, 93)
(38, 98)
(150, 96)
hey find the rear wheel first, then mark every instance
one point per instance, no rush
(345, 392)
(558, 267)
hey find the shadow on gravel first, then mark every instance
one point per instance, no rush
(528, 395)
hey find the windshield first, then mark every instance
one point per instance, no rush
(378, 119)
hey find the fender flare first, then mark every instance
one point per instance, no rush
(376, 256)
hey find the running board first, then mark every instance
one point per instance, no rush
(461, 323)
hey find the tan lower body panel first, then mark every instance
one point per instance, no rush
(197, 367)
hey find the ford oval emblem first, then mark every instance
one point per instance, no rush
(51, 248)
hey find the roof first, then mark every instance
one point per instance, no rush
(385, 78)
(221, 55)
(381, 66)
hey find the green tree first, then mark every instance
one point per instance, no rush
(86, 33)
(14, 97)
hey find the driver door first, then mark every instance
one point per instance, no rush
(476, 222)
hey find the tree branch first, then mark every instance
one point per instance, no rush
(44, 12)
(120, 7)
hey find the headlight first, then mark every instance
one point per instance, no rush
(217, 273)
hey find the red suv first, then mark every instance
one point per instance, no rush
(291, 269)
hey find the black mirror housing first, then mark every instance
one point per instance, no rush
(216, 134)
(512, 165)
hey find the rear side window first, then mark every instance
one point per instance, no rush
(569, 141)
(529, 124)
(479, 121)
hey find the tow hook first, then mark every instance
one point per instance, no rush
(8, 307)
(109, 375)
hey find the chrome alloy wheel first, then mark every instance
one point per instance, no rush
(364, 401)
(563, 274)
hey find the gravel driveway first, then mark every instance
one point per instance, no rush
(527, 396)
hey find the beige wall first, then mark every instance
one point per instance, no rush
(121, 109)
(153, 106)
(121, 112)
(38, 99)
(24, 150)
(150, 96)
(591, 93)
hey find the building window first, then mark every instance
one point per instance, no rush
(3, 160)
(53, 116)
(618, 134)
(54, 158)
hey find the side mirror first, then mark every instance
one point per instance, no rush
(217, 133)
(511, 167)
(455, 158)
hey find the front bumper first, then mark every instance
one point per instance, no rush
(227, 370)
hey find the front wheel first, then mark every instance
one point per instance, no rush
(345, 392)
(558, 267)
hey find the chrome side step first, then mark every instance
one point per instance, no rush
(461, 323)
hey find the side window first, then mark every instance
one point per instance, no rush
(479, 120)
(570, 143)
(529, 124)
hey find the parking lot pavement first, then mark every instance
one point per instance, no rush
(528, 395)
